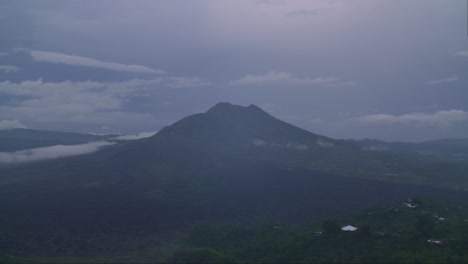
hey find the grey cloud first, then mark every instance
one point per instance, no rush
(89, 103)
(72, 102)
(274, 77)
(61, 58)
(56, 100)
(272, 2)
(303, 13)
(9, 69)
(182, 82)
(10, 124)
(342, 84)
(461, 53)
(136, 136)
(53, 152)
(442, 119)
(314, 8)
(450, 79)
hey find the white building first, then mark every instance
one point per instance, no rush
(349, 228)
(436, 242)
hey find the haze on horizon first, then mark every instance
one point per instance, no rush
(387, 69)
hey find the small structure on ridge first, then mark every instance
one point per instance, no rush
(349, 228)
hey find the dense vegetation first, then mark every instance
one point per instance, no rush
(400, 233)
(432, 232)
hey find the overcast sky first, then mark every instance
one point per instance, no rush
(384, 69)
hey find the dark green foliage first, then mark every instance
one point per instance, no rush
(7, 259)
(200, 255)
(390, 240)
(424, 226)
(330, 227)
(365, 231)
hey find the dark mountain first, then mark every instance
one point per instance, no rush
(245, 134)
(251, 134)
(229, 136)
(232, 126)
(232, 136)
(20, 138)
(231, 164)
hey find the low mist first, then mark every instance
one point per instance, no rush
(136, 136)
(53, 152)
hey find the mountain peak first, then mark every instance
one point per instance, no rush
(226, 125)
(224, 108)
(254, 107)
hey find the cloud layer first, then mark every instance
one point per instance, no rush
(461, 53)
(53, 152)
(9, 69)
(86, 102)
(450, 79)
(10, 124)
(442, 119)
(285, 78)
(136, 136)
(74, 60)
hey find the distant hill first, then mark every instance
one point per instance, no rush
(455, 148)
(20, 138)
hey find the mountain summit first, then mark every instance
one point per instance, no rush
(232, 126)
(225, 108)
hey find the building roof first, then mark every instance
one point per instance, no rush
(349, 228)
(434, 241)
